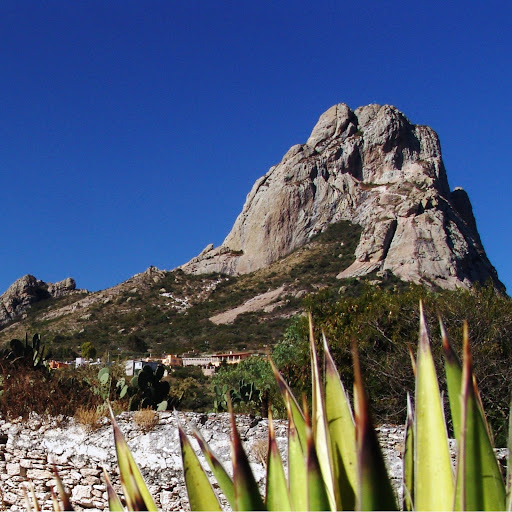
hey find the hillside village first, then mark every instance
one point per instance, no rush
(208, 363)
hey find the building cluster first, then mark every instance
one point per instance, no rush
(207, 363)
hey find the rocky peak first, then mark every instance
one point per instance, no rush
(28, 290)
(62, 287)
(372, 167)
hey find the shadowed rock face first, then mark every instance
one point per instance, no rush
(374, 168)
(26, 291)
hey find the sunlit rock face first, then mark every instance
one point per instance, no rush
(374, 168)
(28, 290)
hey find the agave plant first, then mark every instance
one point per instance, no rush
(334, 458)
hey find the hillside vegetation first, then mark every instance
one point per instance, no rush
(161, 312)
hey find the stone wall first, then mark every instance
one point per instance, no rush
(28, 450)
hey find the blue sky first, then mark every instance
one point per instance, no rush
(132, 131)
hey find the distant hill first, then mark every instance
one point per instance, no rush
(174, 311)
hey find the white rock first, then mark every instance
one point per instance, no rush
(13, 468)
(81, 492)
(10, 498)
(39, 474)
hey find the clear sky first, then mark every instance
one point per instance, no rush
(132, 131)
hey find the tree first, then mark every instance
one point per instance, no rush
(136, 344)
(384, 324)
(291, 356)
(88, 350)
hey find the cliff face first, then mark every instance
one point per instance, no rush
(372, 167)
(28, 290)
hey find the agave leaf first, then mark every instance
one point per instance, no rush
(135, 491)
(298, 415)
(35, 502)
(320, 429)
(460, 481)
(114, 503)
(277, 497)
(478, 398)
(342, 434)
(434, 487)
(66, 503)
(453, 372)
(480, 485)
(374, 487)
(55, 502)
(408, 497)
(27, 501)
(317, 493)
(413, 360)
(37, 507)
(199, 489)
(247, 495)
(297, 474)
(221, 475)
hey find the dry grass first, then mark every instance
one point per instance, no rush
(146, 419)
(29, 390)
(260, 450)
(89, 418)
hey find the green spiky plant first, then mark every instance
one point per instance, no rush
(334, 458)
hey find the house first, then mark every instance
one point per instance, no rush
(54, 365)
(81, 361)
(209, 363)
(233, 357)
(172, 360)
(132, 366)
(201, 361)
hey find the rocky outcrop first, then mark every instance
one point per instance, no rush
(28, 290)
(372, 167)
(62, 288)
(264, 302)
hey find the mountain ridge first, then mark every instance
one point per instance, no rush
(371, 168)
(374, 168)
(174, 312)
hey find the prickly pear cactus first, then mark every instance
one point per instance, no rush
(150, 391)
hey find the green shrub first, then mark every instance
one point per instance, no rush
(334, 458)
(384, 320)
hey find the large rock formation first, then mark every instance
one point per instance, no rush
(26, 291)
(375, 168)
